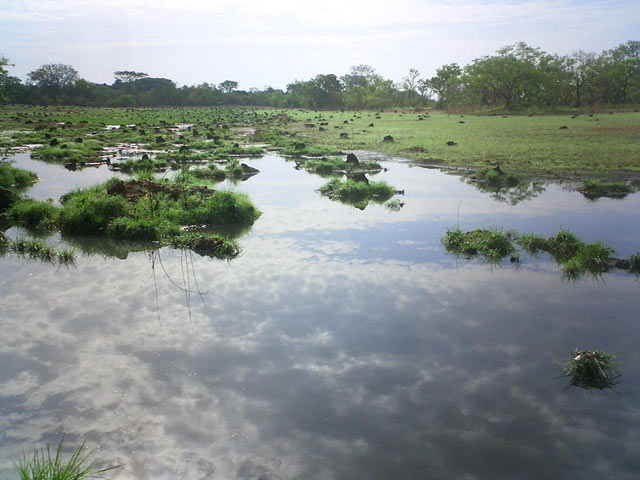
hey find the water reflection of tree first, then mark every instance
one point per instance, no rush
(524, 190)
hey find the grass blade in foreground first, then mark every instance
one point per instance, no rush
(42, 466)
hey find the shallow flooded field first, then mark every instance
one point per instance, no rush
(341, 344)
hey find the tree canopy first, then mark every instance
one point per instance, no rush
(516, 77)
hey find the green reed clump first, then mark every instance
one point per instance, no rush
(493, 245)
(90, 211)
(15, 178)
(34, 214)
(353, 191)
(531, 242)
(592, 369)
(563, 245)
(594, 257)
(42, 465)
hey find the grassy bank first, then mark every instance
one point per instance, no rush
(578, 143)
(563, 144)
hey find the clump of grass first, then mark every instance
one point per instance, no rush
(594, 257)
(15, 178)
(563, 245)
(531, 242)
(592, 370)
(90, 211)
(634, 264)
(34, 214)
(493, 245)
(351, 191)
(157, 211)
(42, 465)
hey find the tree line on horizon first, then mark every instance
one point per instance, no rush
(516, 77)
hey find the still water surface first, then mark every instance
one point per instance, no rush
(341, 344)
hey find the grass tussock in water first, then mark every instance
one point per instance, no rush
(148, 210)
(592, 370)
(575, 257)
(351, 191)
(43, 465)
(34, 214)
(15, 178)
(493, 245)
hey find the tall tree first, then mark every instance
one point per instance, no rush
(125, 76)
(53, 75)
(228, 86)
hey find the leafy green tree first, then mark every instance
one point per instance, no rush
(446, 84)
(228, 86)
(53, 75)
(125, 76)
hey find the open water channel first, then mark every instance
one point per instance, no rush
(341, 344)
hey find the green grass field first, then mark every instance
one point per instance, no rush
(598, 143)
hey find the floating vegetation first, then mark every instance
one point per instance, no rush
(595, 370)
(43, 466)
(357, 193)
(574, 256)
(593, 189)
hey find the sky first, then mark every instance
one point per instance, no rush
(261, 43)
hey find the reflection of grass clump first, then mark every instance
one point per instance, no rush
(351, 191)
(37, 249)
(494, 245)
(594, 189)
(15, 178)
(495, 177)
(328, 165)
(592, 370)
